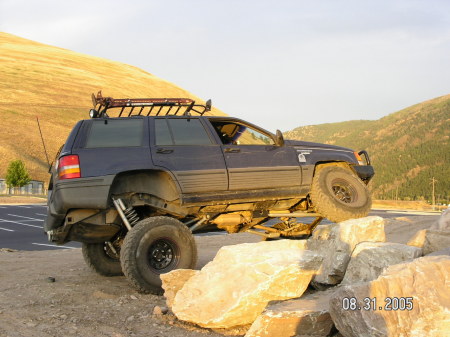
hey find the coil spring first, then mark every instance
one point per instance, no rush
(131, 216)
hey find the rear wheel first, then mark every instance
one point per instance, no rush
(101, 258)
(155, 246)
(339, 195)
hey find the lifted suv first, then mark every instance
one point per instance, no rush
(134, 187)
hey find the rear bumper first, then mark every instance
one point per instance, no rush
(364, 172)
(92, 193)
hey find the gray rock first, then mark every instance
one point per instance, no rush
(335, 243)
(369, 259)
(445, 251)
(443, 223)
(436, 240)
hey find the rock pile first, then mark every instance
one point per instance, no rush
(375, 288)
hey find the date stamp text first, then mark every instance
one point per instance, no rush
(371, 303)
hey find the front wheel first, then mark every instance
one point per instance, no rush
(155, 246)
(339, 195)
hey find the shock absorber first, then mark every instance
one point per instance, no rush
(128, 215)
(131, 215)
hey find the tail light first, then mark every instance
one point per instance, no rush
(69, 167)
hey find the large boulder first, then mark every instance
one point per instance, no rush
(431, 240)
(407, 299)
(173, 281)
(336, 243)
(236, 286)
(305, 316)
(369, 259)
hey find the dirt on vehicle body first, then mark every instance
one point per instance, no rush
(133, 188)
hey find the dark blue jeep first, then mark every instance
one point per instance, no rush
(137, 179)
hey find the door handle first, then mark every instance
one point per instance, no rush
(232, 150)
(163, 151)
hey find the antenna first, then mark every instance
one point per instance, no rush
(42, 138)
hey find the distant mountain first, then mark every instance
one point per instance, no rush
(408, 148)
(56, 85)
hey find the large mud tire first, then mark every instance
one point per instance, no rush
(100, 258)
(338, 194)
(155, 246)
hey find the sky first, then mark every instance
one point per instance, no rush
(279, 64)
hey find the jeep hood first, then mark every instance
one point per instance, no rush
(319, 145)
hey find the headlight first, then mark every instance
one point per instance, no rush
(93, 113)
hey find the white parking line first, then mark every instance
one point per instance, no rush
(25, 217)
(26, 220)
(40, 214)
(21, 206)
(413, 212)
(19, 223)
(54, 246)
(5, 229)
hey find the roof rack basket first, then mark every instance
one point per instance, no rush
(137, 106)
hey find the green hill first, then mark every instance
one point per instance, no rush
(56, 84)
(407, 148)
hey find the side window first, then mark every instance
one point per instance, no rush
(180, 131)
(238, 134)
(115, 133)
(162, 132)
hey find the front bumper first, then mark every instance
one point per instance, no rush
(364, 172)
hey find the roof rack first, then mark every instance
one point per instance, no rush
(137, 106)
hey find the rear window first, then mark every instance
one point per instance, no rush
(115, 133)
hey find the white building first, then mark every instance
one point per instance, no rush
(34, 187)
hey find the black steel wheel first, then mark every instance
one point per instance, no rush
(155, 246)
(102, 259)
(163, 254)
(338, 194)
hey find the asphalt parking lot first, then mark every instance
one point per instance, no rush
(21, 227)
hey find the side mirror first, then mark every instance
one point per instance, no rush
(279, 139)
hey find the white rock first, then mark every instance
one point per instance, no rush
(424, 283)
(336, 243)
(308, 315)
(369, 259)
(173, 281)
(236, 286)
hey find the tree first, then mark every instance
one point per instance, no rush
(17, 175)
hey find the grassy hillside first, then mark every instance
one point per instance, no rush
(56, 85)
(407, 148)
